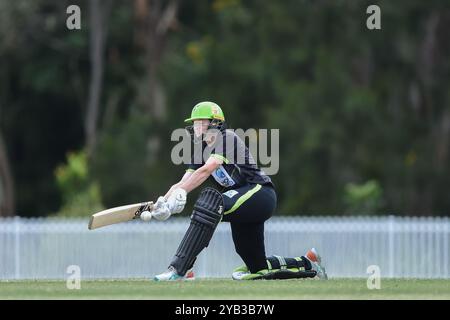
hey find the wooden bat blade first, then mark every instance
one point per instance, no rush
(118, 214)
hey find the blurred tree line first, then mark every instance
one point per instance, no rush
(364, 115)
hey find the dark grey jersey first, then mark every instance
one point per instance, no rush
(239, 167)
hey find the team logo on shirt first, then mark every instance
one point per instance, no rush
(230, 193)
(222, 177)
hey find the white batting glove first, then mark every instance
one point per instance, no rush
(162, 212)
(160, 202)
(177, 200)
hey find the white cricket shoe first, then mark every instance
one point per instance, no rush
(316, 263)
(172, 275)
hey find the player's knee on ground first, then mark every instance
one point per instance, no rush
(278, 268)
(207, 213)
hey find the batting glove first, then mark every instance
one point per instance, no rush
(161, 212)
(177, 200)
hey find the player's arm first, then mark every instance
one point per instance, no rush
(161, 210)
(176, 196)
(186, 176)
(201, 174)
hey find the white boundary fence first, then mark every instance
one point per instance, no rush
(401, 247)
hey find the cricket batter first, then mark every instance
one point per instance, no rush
(244, 196)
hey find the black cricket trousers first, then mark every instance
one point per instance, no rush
(246, 209)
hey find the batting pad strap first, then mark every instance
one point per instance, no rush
(269, 265)
(206, 216)
(282, 263)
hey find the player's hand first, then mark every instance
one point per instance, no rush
(161, 201)
(162, 212)
(177, 200)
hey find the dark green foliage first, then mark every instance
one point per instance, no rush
(353, 106)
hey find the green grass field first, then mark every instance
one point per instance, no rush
(228, 289)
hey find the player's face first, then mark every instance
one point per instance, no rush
(200, 127)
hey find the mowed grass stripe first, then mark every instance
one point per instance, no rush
(228, 289)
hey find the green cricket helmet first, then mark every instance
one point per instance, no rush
(206, 110)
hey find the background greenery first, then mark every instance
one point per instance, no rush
(364, 115)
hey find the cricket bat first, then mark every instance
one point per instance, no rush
(119, 214)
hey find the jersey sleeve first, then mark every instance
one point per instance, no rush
(225, 149)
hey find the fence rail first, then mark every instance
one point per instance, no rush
(44, 248)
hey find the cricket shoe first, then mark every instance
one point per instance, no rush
(241, 273)
(316, 263)
(172, 275)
